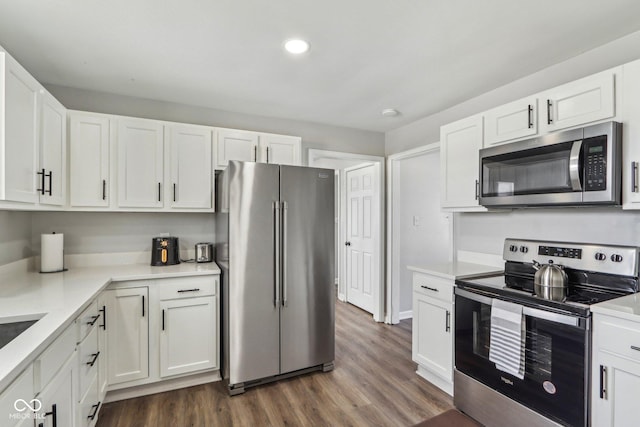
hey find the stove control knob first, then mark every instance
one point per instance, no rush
(600, 256)
(513, 248)
(616, 258)
(524, 249)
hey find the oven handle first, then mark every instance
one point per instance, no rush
(574, 166)
(527, 311)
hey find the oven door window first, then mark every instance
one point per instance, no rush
(535, 171)
(555, 363)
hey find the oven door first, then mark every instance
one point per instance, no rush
(555, 383)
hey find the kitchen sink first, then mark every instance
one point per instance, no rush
(11, 328)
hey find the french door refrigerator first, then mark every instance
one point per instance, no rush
(275, 228)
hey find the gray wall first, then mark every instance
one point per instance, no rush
(427, 130)
(104, 232)
(313, 135)
(15, 236)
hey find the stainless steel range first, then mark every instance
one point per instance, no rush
(547, 383)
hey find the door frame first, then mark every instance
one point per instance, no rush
(393, 239)
(314, 157)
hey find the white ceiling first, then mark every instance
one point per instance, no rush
(418, 56)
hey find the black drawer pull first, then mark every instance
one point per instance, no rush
(633, 347)
(93, 321)
(430, 289)
(180, 291)
(94, 411)
(95, 358)
(104, 317)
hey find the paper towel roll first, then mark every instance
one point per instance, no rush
(51, 252)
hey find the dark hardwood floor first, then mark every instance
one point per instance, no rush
(373, 384)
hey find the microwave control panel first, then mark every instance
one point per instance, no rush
(595, 164)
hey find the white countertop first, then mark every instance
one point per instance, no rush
(60, 298)
(457, 270)
(627, 307)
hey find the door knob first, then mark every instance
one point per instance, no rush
(347, 243)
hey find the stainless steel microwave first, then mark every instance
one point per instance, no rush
(569, 168)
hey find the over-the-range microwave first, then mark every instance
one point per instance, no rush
(568, 168)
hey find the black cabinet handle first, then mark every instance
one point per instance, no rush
(255, 153)
(54, 415)
(530, 125)
(447, 326)
(142, 305)
(174, 191)
(347, 243)
(188, 290)
(603, 390)
(94, 358)
(41, 189)
(163, 320)
(103, 310)
(158, 191)
(94, 411)
(93, 320)
(477, 189)
(50, 175)
(549, 119)
(431, 289)
(267, 154)
(104, 189)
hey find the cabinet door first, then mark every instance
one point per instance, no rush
(459, 146)
(583, 101)
(20, 388)
(619, 381)
(127, 333)
(20, 182)
(235, 145)
(140, 163)
(53, 150)
(432, 345)
(188, 335)
(631, 135)
(89, 160)
(511, 121)
(58, 397)
(191, 172)
(280, 149)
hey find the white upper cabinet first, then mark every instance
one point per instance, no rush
(280, 149)
(582, 101)
(190, 167)
(88, 160)
(630, 93)
(19, 133)
(459, 145)
(53, 151)
(511, 121)
(140, 163)
(235, 145)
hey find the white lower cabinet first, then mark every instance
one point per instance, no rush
(615, 376)
(13, 412)
(432, 340)
(127, 333)
(188, 335)
(58, 397)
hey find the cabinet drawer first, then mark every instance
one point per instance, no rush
(88, 320)
(89, 405)
(21, 388)
(618, 336)
(49, 363)
(187, 287)
(432, 286)
(88, 359)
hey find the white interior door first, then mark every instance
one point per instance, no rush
(363, 234)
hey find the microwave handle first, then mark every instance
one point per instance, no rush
(574, 166)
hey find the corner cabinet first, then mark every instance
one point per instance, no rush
(615, 374)
(460, 143)
(432, 340)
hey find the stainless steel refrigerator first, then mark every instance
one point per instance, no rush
(275, 228)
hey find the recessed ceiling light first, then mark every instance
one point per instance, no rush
(296, 46)
(390, 112)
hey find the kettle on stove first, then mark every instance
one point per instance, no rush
(550, 281)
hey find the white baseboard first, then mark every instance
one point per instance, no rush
(406, 314)
(161, 386)
(441, 383)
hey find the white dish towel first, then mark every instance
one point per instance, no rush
(507, 344)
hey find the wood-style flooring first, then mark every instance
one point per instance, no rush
(373, 384)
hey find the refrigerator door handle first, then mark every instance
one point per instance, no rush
(285, 208)
(276, 231)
